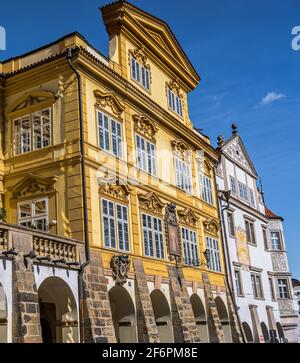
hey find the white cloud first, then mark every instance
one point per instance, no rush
(271, 97)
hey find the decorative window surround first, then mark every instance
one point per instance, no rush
(175, 98)
(140, 70)
(153, 236)
(257, 286)
(146, 155)
(34, 214)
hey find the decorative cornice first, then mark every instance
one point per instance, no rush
(151, 202)
(33, 184)
(114, 187)
(109, 100)
(187, 216)
(211, 226)
(145, 126)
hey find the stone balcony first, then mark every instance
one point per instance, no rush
(43, 246)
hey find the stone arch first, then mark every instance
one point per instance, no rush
(224, 318)
(58, 312)
(3, 316)
(123, 314)
(265, 332)
(247, 332)
(280, 332)
(162, 314)
(200, 317)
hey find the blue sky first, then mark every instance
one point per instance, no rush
(241, 49)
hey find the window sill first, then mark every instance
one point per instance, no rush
(260, 298)
(252, 244)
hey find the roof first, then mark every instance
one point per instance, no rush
(295, 282)
(272, 215)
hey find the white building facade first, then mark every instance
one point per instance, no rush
(245, 233)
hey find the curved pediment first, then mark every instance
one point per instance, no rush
(28, 100)
(33, 184)
(181, 149)
(144, 126)
(109, 100)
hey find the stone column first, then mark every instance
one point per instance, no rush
(215, 330)
(97, 324)
(147, 329)
(182, 308)
(26, 327)
(257, 331)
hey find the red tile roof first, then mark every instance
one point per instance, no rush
(272, 215)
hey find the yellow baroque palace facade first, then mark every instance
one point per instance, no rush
(155, 266)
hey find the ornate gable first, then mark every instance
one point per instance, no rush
(145, 126)
(151, 201)
(32, 185)
(236, 150)
(187, 216)
(141, 28)
(109, 100)
(114, 187)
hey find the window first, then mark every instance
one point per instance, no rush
(32, 132)
(175, 103)
(212, 246)
(275, 241)
(231, 227)
(264, 232)
(140, 74)
(146, 155)
(183, 175)
(256, 286)
(233, 185)
(252, 200)
(271, 288)
(238, 282)
(153, 236)
(206, 189)
(283, 290)
(250, 234)
(190, 247)
(34, 214)
(243, 191)
(115, 225)
(110, 134)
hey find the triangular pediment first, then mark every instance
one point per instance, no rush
(235, 149)
(152, 33)
(151, 202)
(32, 185)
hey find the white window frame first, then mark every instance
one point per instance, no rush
(257, 287)
(34, 218)
(18, 140)
(183, 175)
(231, 224)
(115, 220)
(153, 238)
(238, 282)
(233, 185)
(212, 245)
(273, 247)
(283, 295)
(175, 103)
(252, 239)
(146, 159)
(190, 247)
(243, 192)
(112, 141)
(251, 197)
(140, 74)
(206, 188)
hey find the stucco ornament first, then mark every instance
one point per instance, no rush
(151, 201)
(211, 226)
(120, 265)
(144, 126)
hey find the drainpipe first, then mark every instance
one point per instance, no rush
(221, 210)
(69, 57)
